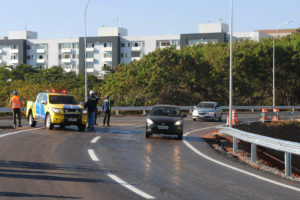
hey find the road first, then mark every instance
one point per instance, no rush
(119, 163)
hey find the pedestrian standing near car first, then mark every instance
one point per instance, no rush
(16, 106)
(96, 113)
(91, 106)
(106, 107)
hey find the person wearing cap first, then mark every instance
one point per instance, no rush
(106, 107)
(91, 106)
(16, 105)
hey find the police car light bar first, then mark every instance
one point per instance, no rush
(57, 91)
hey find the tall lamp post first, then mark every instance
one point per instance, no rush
(85, 74)
(274, 38)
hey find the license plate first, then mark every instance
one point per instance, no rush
(163, 127)
(72, 119)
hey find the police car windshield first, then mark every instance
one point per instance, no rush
(168, 112)
(61, 99)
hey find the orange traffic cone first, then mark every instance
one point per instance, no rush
(264, 117)
(276, 116)
(234, 118)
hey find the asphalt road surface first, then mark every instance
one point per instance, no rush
(119, 163)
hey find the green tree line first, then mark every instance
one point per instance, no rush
(179, 76)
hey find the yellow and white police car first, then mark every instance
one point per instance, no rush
(56, 107)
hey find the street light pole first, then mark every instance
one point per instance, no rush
(85, 73)
(230, 71)
(274, 38)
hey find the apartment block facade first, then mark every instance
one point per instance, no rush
(111, 47)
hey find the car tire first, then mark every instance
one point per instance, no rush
(81, 128)
(31, 121)
(220, 118)
(49, 125)
(194, 119)
(179, 137)
(62, 126)
(147, 134)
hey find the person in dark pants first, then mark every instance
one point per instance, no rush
(106, 107)
(96, 113)
(16, 105)
(91, 105)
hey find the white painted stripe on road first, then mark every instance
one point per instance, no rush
(12, 133)
(93, 141)
(130, 187)
(137, 126)
(93, 155)
(235, 168)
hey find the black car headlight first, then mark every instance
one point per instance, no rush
(149, 121)
(178, 123)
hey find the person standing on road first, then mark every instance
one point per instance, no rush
(106, 107)
(16, 106)
(96, 113)
(91, 105)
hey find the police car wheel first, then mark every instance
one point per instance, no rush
(81, 128)
(49, 125)
(32, 123)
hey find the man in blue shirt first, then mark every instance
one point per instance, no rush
(106, 107)
(91, 105)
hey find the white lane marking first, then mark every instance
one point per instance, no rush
(93, 155)
(12, 133)
(234, 168)
(137, 126)
(130, 187)
(93, 141)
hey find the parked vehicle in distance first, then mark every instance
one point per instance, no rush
(165, 119)
(56, 108)
(207, 110)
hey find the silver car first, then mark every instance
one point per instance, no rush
(207, 110)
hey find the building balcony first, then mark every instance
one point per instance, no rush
(107, 48)
(16, 61)
(41, 50)
(14, 51)
(136, 48)
(107, 59)
(40, 61)
(89, 59)
(90, 70)
(90, 49)
(66, 60)
(135, 58)
(66, 50)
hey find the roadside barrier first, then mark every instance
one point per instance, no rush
(287, 147)
(276, 114)
(264, 116)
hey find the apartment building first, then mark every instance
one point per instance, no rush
(111, 47)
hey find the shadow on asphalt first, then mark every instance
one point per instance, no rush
(17, 194)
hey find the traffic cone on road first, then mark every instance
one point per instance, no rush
(276, 116)
(234, 118)
(264, 117)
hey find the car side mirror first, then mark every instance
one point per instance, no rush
(184, 115)
(43, 102)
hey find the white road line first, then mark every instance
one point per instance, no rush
(93, 155)
(234, 168)
(93, 141)
(12, 133)
(137, 126)
(130, 187)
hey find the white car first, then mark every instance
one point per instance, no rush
(207, 110)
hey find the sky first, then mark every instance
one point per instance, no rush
(65, 18)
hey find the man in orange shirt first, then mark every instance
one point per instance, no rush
(16, 105)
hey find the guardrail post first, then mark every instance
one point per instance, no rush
(235, 145)
(253, 153)
(252, 110)
(293, 110)
(288, 164)
(144, 112)
(191, 111)
(117, 112)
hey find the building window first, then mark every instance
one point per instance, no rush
(59, 57)
(75, 45)
(89, 65)
(90, 45)
(65, 46)
(128, 44)
(136, 54)
(175, 42)
(123, 44)
(104, 45)
(28, 57)
(28, 47)
(74, 56)
(89, 55)
(66, 56)
(13, 57)
(107, 55)
(122, 55)
(40, 57)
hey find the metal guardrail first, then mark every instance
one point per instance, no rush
(280, 145)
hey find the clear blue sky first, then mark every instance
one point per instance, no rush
(64, 18)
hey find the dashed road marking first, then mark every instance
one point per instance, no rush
(12, 133)
(234, 168)
(93, 141)
(93, 155)
(130, 187)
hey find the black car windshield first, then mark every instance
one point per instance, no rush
(165, 111)
(205, 105)
(61, 99)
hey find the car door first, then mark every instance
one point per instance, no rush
(42, 107)
(38, 106)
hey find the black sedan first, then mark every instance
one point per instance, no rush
(165, 119)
